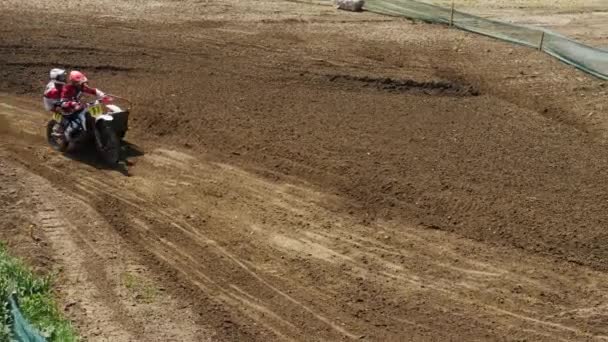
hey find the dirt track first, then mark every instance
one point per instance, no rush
(296, 183)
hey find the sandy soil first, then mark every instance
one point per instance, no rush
(306, 174)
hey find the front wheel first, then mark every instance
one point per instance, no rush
(108, 144)
(55, 136)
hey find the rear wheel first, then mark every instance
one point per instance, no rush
(55, 137)
(108, 144)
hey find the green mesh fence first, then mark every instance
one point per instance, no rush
(516, 34)
(409, 9)
(591, 60)
(586, 58)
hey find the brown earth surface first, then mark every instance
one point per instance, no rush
(306, 174)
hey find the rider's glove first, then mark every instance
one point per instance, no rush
(71, 106)
(100, 94)
(107, 99)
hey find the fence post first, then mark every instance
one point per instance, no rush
(452, 15)
(542, 40)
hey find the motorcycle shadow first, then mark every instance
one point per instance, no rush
(88, 155)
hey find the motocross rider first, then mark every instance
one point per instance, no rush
(52, 92)
(77, 85)
(71, 93)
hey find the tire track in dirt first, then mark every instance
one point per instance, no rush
(318, 250)
(93, 263)
(273, 263)
(186, 264)
(104, 199)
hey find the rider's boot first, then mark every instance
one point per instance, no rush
(68, 131)
(58, 130)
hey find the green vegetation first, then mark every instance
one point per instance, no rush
(141, 291)
(35, 300)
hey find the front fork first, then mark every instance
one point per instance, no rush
(70, 125)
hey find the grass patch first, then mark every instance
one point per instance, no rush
(140, 290)
(35, 300)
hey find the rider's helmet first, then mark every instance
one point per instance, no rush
(58, 75)
(77, 78)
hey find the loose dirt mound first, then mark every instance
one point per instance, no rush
(394, 85)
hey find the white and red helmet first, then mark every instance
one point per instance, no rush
(77, 78)
(57, 75)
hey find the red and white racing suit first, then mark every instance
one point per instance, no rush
(52, 96)
(69, 103)
(70, 97)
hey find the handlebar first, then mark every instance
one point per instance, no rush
(98, 101)
(120, 98)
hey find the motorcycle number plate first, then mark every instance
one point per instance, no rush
(57, 117)
(95, 111)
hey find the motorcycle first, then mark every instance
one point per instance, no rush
(105, 127)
